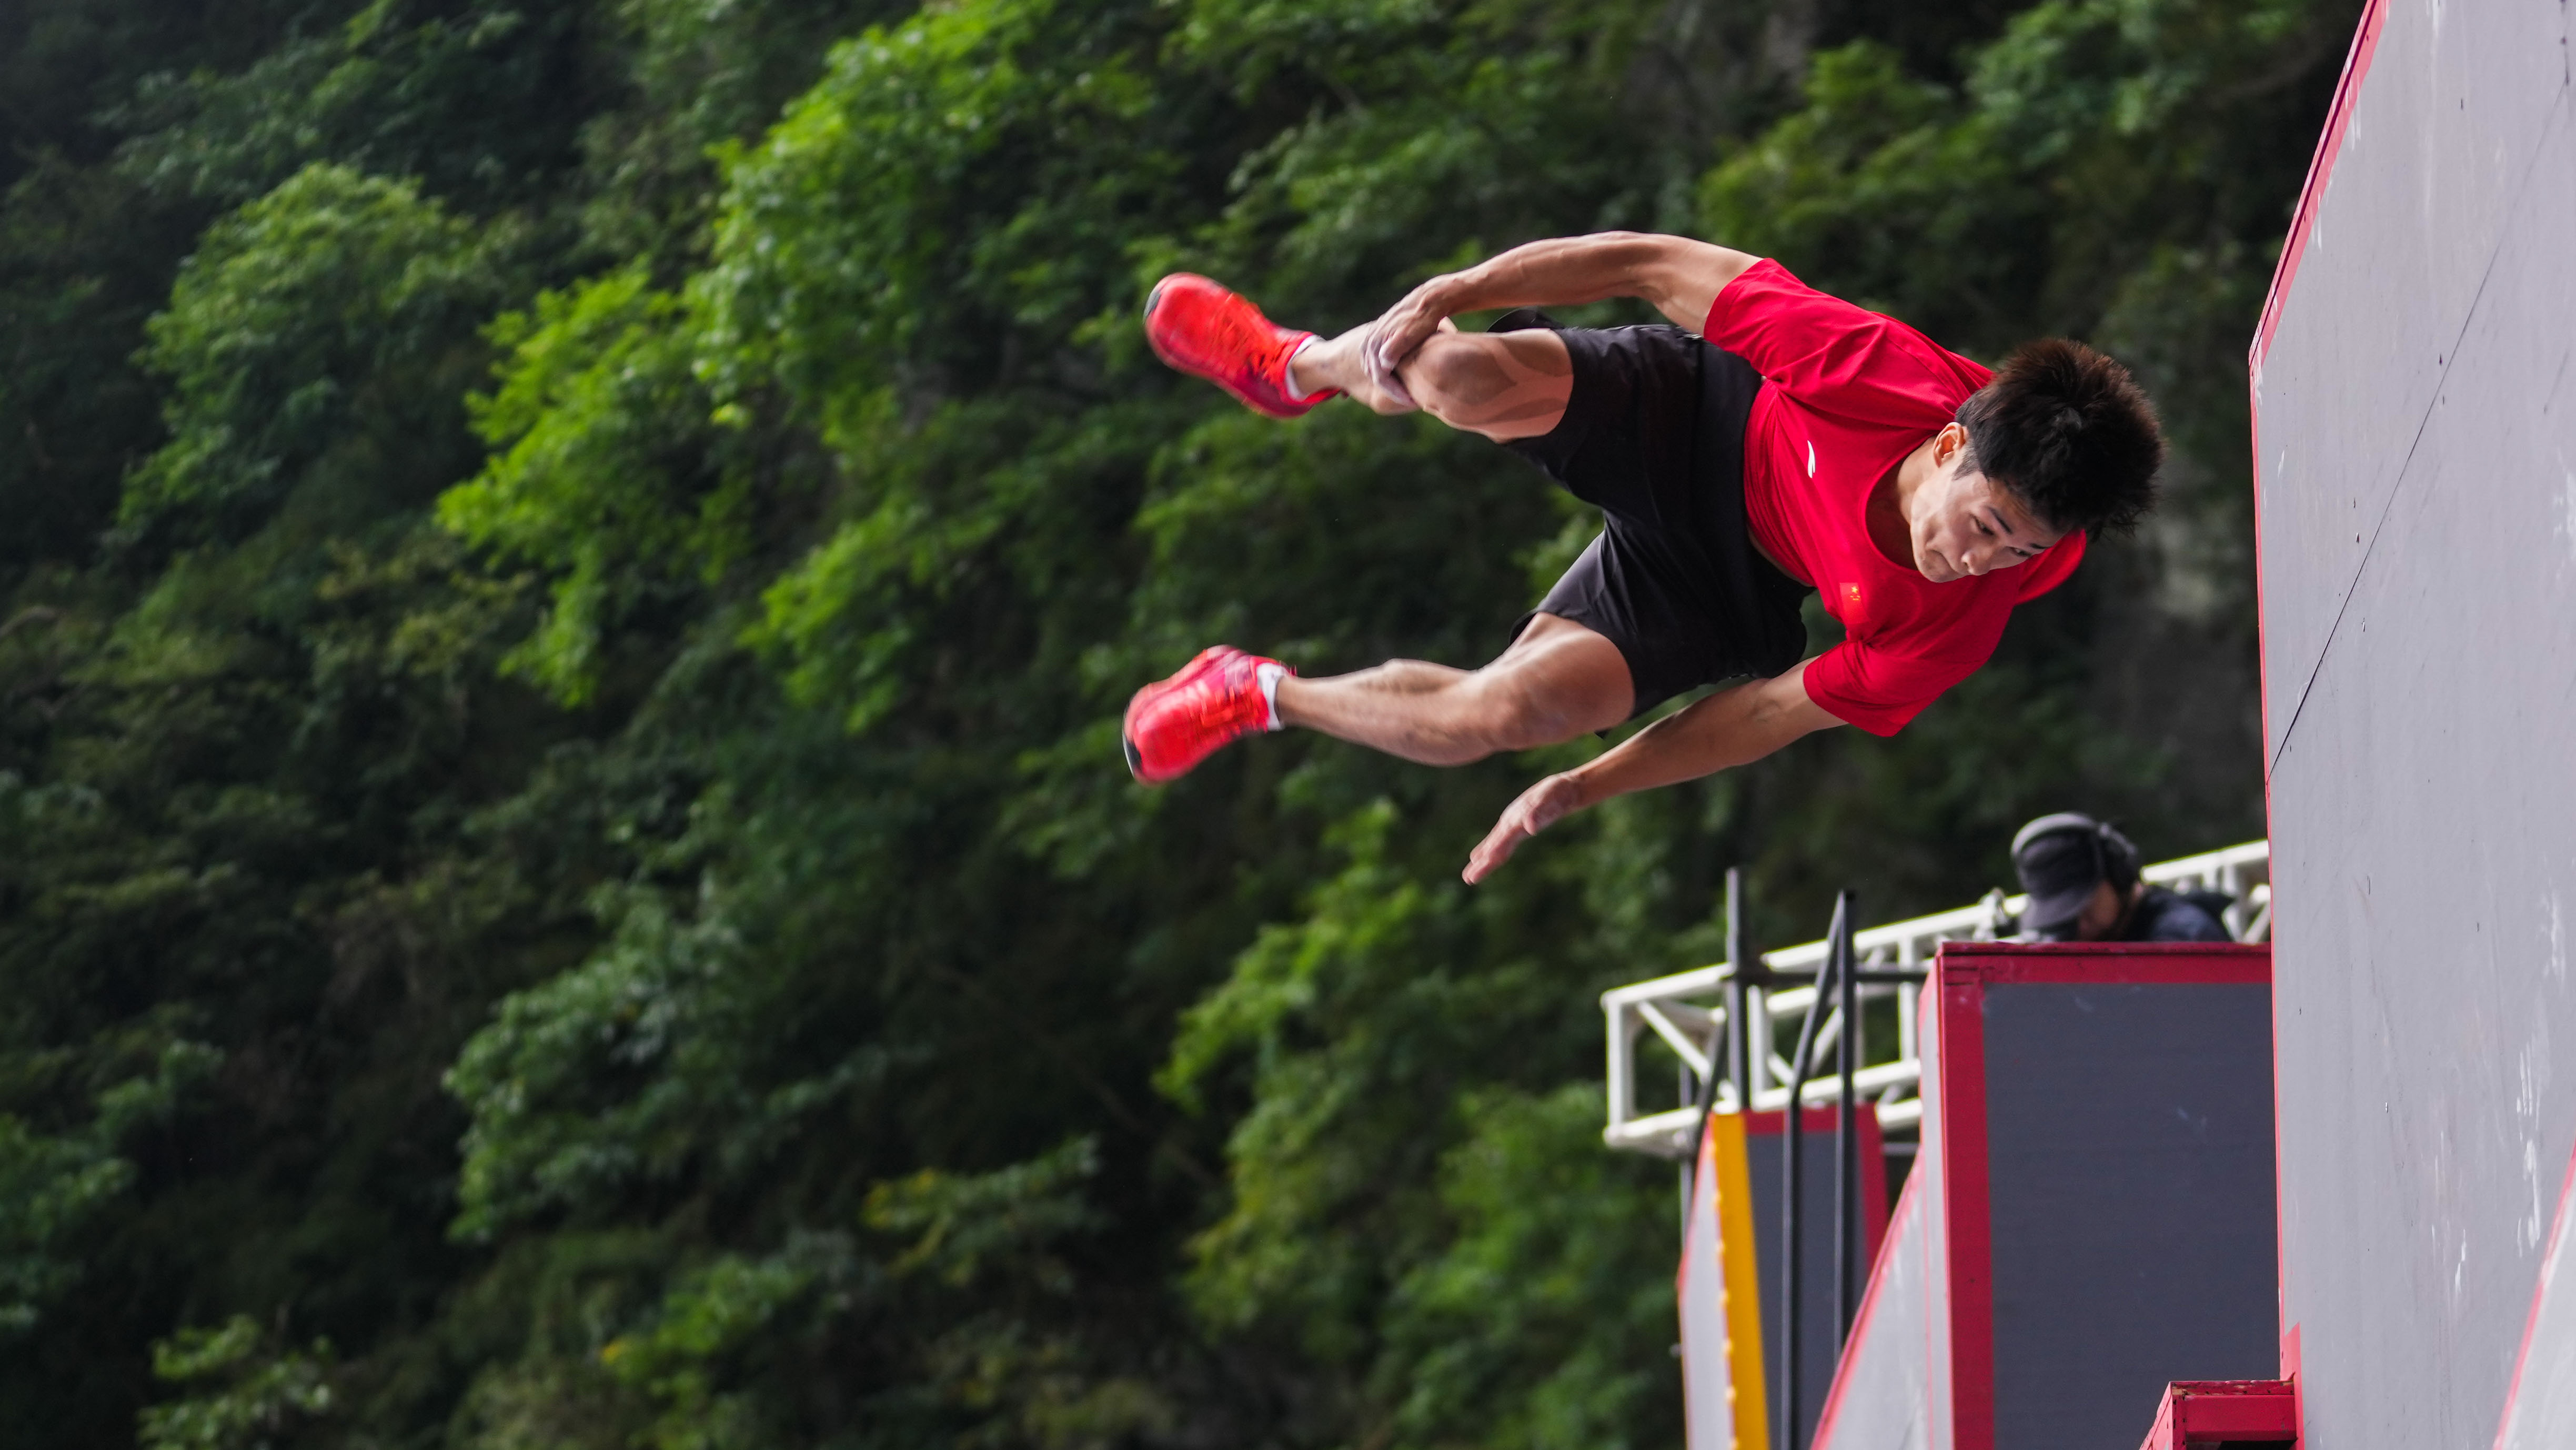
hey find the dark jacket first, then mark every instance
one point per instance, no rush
(2162, 915)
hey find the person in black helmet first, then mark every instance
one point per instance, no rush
(2083, 881)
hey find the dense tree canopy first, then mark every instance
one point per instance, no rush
(571, 570)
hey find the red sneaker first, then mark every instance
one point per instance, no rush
(1176, 723)
(1205, 330)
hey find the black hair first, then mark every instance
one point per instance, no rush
(2070, 434)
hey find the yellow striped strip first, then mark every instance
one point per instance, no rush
(1741, 1295)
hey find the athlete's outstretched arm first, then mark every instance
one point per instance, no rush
(1730, 728)
(1681, 277)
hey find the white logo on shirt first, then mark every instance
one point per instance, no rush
(1811, 458)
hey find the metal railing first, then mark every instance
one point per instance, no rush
(1679, 1011)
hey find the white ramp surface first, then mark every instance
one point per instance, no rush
(1881, 1395)
(1708, 1408)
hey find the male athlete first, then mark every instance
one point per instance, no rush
(1795, 442)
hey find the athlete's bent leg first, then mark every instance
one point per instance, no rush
(1504, 385)
(1558, 681)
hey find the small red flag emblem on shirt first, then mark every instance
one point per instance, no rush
(1849, 594)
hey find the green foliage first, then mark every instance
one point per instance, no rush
(542, 1133)
(1540, 1320)
(997, 142)
(558, 699)
(322, 329)
(239, 1398)
(46, 1185)
(55, 1185)
(965, 1226)
(481, 99)
(597, 417)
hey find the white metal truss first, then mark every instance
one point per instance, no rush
(1683, 1014)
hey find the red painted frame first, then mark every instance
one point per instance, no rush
(2220, 1412)
(1961, 975)
(1968, 1213)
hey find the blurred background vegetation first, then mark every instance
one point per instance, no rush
(570, 570)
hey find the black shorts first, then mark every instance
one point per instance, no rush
(1653, 435)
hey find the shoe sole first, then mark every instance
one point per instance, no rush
(1135, 758)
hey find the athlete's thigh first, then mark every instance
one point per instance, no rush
(1505, 385)
(1565, 674)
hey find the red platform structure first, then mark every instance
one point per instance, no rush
(2225, 1412)
(2089, 1215)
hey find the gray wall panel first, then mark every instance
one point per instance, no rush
(2435, 155)
(2419, 689)
(2130, 1170)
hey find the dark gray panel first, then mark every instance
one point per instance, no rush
(2130, 1177)
(1818, 1329)
(2424, 796)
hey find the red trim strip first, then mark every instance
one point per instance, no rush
(1768, 1122)
(2557, 1237)
(2290, 1377)
(1703, 1199)
(2160, 1435)
(1968, 1208)
(2356, 67)
(2145, 963)
(1935, 1175)
(2027, 950)
(1824, 1436)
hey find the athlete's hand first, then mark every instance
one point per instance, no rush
(1538, 808)
(1400, 330)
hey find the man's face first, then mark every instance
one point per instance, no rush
(1966, 524)
(2100, 914)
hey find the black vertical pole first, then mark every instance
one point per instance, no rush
(1846, 1139)
(1738, 1034)
(1793, 1138)
(1690, 1162)
(1740, 959)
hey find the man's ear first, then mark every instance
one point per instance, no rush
(1947, 443)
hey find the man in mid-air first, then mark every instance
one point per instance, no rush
(1794, 442)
